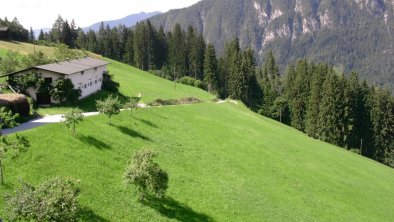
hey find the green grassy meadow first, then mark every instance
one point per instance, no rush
(3, 52)
(225, 163)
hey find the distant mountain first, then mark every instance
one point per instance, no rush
(128, 21)
(349, 34)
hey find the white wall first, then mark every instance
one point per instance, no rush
(89, 82)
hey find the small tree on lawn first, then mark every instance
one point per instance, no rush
(109, 106)
(53, 200)
(7, 119)
(72, 118)
(132, 104)
(146, 174)
(12, 147)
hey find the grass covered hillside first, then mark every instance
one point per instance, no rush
(24, 48)
(225, 163)
(132, 82)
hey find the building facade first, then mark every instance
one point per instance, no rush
(86, 74)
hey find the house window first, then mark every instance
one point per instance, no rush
(100, 79)
(84, 86)
(79, 87)
(95, 68)
(83, 72)
(48, 80)
(95, 81)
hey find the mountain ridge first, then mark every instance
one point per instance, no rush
(128, 21)
(351, 34)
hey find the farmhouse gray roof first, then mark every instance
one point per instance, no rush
(73, 66)
(3, 28)
(67, 67)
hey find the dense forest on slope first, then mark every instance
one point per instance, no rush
(349, 34)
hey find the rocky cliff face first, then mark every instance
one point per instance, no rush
(350, 34)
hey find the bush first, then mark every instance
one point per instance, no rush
(54, 200)
(187, 80)
(357, 151)
(64, 91)
(200, 84)
(17, 103)
(167, 102)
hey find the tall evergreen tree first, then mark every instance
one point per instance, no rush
(383, 124)
(162, 48)
(81, 40)
(152, 48)
(211, 68)
(176, 57)
(231, 78)
(297, 94)
(252, 96)
(270, 82)
(330, 122)
(314, 100)
(129, 50)
(66, 36)
(140, 46)
(41, 35)
(31, 35)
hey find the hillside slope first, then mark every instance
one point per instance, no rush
(225, 163)
(350, 34)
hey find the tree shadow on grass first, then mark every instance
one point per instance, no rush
(173, 209)
(147, 122)
(87, 214)
(132, 133)
(93, 141)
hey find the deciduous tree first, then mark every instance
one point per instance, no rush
(146, 174)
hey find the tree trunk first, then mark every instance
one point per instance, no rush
(74, 130)
(1, 173)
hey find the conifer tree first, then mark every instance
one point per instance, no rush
(270, 82)
(31, 35)
(177, 52)
(330, 125)
(41, 35)
(314, 100)
(252, 94)
(211, 68)
(232, 68)
(383, 124)
(297, 94)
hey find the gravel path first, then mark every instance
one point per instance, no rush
(40, 122)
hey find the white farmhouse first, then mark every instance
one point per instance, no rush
(86, 74)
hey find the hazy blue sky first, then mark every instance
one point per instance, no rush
(42, 13)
